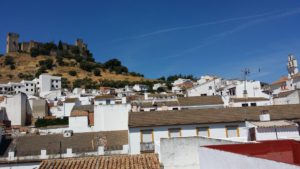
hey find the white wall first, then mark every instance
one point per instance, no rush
(111, 117)
(217, 131)
(79, 124)
(183, 153)
(293, 98)
(20, 166)
(215, 159)
(67, 108)
(16, 109)
(258, 103)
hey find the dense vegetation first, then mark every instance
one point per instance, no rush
(51, 122)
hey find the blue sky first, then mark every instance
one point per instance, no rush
(160, 37)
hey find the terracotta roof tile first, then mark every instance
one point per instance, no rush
(205, 116)
(71, 100)
(142, 161)
(79, 142)
(77, 113)
(249, 99)
(281, 80)
(104, 97)
(285, 94)
(200, 100)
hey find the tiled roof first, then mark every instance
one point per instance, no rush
(205, 116)
(77, 113)
(71, 100)
(285, 94)
(283, 79)
(79, 142)
(99, 97)
(277, 123)
(142, 161)
(249, 99)
(158, 104)
(88, 108)
(200, 100)
(162, 95)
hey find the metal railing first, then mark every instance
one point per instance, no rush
(147, 147)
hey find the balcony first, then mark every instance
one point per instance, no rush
(147, 147)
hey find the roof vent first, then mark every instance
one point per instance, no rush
(264, 115)
(68, 133)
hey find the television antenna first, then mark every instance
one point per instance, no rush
(246, 73)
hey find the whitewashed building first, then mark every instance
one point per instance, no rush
(147, 128)
(15, 107)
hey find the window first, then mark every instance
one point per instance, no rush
(203, 131)
(147, 136)
(175, 109)
(26, 90)
(253, 104)
(56, 86)
(174, 132)
(232, 131)
(244, 104)
(26, 84)
(31, 84)
(32, 90)
(107, 101)
(209, 87)
(203, 95)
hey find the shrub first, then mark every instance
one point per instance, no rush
(34, 52)
(65, 83)
(87, 66)
(48, 63)
(97, 72)
(10, 76)
(51, 122)
(9, 60)
(72, 73)
(12, 67)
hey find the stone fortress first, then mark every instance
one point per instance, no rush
(13, 44)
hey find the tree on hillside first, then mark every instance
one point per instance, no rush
(9, 60)
(97, 72)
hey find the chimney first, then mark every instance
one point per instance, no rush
(100, 150)
(69, 152)
(11, 155)
(146, 96)
(44, 154)
(264, 116)
(124, 100)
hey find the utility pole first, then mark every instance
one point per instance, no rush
(246, 72)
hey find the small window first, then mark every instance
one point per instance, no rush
(253, 104)
(174, 132)
(26, 84)
(175, 108)
(32, 90)
(209, 87)
(232, 131)
(31, 84)
(147, 136)
(244, 104)
(26, 90)
(203, 94)
(203, 131)
(56, 86)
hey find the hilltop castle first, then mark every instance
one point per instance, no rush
(13, 44)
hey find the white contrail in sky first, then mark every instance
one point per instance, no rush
(178, 28)
(213, 38)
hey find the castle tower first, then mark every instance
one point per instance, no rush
(80, 44)
(292, 65)
(12, 42)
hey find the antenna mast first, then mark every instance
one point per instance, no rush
(246, 72)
